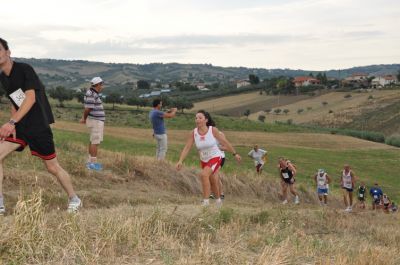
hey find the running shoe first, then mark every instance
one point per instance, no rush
(222, 196)
(74, 205)
(296, 200)
(2, 210)
(284, 202)
(205, 203)
(94, 166)
(211, 196)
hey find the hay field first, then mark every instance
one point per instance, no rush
(346, 108)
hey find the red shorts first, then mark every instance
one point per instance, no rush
(214, 163)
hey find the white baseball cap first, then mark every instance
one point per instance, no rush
(96, 80)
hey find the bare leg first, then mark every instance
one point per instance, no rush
(63, 177)
(345, 198)
(93, 150)
(293, 190)
(284, 190)
(5, 149)
(214, 180)
(351, 198)
(205, 181)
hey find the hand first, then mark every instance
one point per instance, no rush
(179, 165)
(6, 130)
(82, 121)
(238, 158)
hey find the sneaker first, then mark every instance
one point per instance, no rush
(348, 209)
(296, 200)
(284, 202)
(205, 203)
(211, 196)
(73, 206)
(2, 210)
(94, 166)
(218, 203)
(222, 196)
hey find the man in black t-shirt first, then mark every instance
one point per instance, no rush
(29, 123)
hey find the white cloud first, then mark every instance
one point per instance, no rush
(312, 34)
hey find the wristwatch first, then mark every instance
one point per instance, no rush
(12, 122)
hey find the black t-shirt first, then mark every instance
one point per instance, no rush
(23, 77)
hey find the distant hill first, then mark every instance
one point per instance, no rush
(77, 73)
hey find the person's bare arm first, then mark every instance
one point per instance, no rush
(225, 143)
(185, 151)
(170, 114)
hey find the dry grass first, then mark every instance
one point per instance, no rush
(142, 212)
(343, 109)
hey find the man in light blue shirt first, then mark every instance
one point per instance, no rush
(157, 120)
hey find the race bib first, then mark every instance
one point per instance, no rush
(361, 195)
(285, 175)
(375, 196)
(321, 183)
(18, 97)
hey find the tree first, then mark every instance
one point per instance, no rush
(143, 84)
(61, 94)
(114, 98)
(80, 95)
(398, 76)
(286, 111)
(247, 113)
(277, 111)
(254, 80)
(182, 103)
(324, 103)
(261, 118)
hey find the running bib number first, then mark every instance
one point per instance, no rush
(18, 97)
(285, 175)
(361, 195)
(375, 196)
(321, 183)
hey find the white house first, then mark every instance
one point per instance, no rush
(241, 83)
(382, 81)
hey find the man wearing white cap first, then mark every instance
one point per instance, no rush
(94, 117)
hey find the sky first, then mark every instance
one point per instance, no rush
(301, 34)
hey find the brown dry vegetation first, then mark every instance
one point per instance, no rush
(344, 109)
(138, 211)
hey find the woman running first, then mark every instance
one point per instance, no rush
(347, 183)
(287, 171)
(206, 137)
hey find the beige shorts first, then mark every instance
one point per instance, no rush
(96, 130)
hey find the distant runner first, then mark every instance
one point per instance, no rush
(287, 172)
(257, 155)
(361, 195)
(322, 180)
(347, 182)
(205, 137)
(376, 194)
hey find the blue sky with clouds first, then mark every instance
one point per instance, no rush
(306, 34)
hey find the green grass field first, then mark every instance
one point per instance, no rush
(369, 165)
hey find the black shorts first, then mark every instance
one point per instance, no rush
(349, 190)
(289, 180)
(222, 162)
(40, 143)
(361, 199)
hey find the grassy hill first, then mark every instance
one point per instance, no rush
(140, 211)
(374, 110)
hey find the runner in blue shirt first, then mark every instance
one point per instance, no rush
(376, 194)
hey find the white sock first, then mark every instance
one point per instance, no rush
(1, 201)
(206, 201)
(93, 159)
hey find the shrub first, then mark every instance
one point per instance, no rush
(286, 111)
(393, 140)
(300, 111)
(261, 118)
(277, 111)
(289, 121)
(309, 108)
(330, 111)
(366, 135)
(371, 97)
(347, 96)
(324, 103)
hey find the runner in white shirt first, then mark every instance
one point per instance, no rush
(322, 180)
(205, 137)
(257, 154)
(347, 182)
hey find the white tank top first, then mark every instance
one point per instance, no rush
(321, 181)
(207, 145)
(385, 200)
(346, 178)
